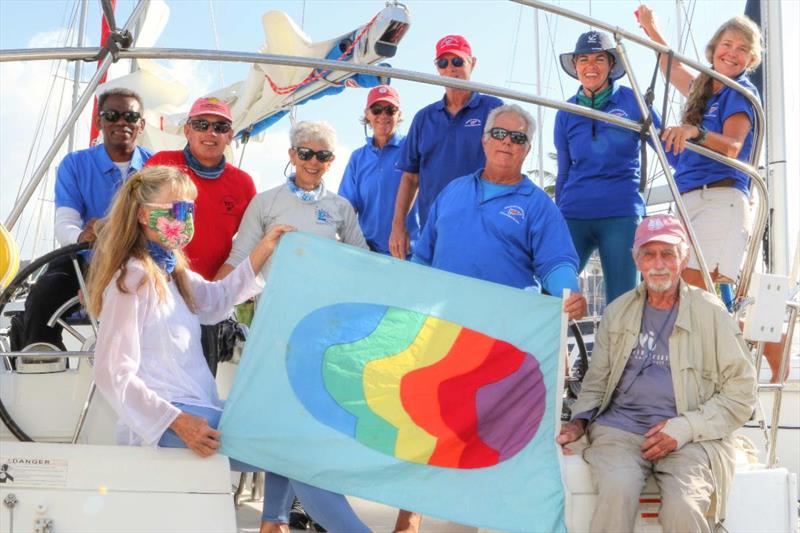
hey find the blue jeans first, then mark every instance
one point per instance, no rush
(329, 509)
(613, 238)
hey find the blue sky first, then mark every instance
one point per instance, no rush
(501, 34)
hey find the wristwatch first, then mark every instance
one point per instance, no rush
(701, 137)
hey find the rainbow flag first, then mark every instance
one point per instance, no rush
(403, 384)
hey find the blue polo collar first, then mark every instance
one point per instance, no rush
(524, 186)
(394, 140)
(473, 102)
(611, 99)
(108, 166)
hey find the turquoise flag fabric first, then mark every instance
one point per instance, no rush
(403, 384)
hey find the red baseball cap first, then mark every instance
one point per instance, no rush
(210, 105)
(383, 93)
(453, 44)
(661, 228)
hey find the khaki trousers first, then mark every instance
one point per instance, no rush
(619, 472)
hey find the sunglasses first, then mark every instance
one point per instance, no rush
(378, 109)
(177, 210)
(501, 133)
(202, 125)
(323, 156)
(457, 62)
(112, 115)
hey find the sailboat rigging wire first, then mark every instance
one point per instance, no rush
(515, 44)
(71, 119)
(55, 65)
(550, 32)
(689, 32)
(216, 38)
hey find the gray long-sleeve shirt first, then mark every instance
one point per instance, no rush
(330, 216)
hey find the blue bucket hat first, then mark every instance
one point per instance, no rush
(593, 42)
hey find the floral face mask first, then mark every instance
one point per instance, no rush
(173, 223)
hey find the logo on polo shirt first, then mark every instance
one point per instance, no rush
(712, 111)
(323, 217)
(618, 112)
(229, 203)
(514, 212)
(471, 123)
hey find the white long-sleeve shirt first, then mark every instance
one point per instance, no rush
(148, 352)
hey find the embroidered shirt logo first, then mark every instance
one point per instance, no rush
(618, 112)
(323, 217)
(712, 111)
(229, 203)
(471, 123)
(514, 212)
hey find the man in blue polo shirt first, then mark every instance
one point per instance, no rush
(444, 140)
(85, 184)
(496, 225)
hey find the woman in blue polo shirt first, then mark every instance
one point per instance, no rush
(721, 119)
(597, 188)
(372, 177)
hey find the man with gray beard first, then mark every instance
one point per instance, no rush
(669, 382)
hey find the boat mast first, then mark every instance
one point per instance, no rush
(776, 139)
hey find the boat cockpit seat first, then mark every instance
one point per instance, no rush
(755, 489)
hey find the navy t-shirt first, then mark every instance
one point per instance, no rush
(644, 395)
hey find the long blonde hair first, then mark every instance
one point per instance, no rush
(121, 237)
(703, 86)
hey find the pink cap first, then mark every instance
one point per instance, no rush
(383, 93)
(661, 228)
(210, 105)
(453, 44)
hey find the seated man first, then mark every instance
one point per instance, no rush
(669, 382)
(496, 225)
(85, 184)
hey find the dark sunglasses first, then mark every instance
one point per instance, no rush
(378, 109)
(323, 156)
(179, 210)
(501, 133)
(202, 125)
(457, 62)
(112, 115)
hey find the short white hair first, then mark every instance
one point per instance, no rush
(310, 131)
(530, 123)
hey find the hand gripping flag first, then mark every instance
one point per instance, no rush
(403, 384)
